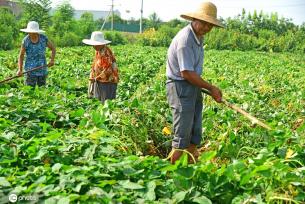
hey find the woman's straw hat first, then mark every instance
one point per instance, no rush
(32, 27)
(97, 38)
(206, 12)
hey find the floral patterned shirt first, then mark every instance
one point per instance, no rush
(35, 55)
(104, 68)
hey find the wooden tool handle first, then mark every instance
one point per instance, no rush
(241, 111)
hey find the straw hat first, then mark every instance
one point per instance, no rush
(32, 27)
(206, 12)
(97, 38)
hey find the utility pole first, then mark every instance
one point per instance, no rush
(141, 16)
(112, 17)
(111, 12)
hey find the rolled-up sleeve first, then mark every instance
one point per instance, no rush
(186, 59)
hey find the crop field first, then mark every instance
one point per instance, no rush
(59, 146)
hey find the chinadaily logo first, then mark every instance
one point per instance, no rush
(13, 198)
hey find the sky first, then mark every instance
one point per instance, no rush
(170, 9)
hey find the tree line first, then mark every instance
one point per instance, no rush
(246, 31)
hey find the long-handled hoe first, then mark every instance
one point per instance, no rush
(241, 111)
(234, 107)
(14, 77)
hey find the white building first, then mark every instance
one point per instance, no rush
(96, 14)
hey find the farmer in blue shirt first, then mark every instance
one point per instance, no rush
(34, 46)
(183, 86)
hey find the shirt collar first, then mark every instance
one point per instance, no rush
(195, 36)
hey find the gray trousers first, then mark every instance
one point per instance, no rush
(186, 103)
(102, 91)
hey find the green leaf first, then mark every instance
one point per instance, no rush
(45, 189)
(63, 200)
(41, 153)
(184, 159)
(96, 191)
(262, 168)
(56, 167)
(107, 150)
(187, 172)
(53, 135)
(180, 196)
(7, 161)
(78, 187)
(98, 118)
(151, 195)
(107, 182)
(169, 167)
(229, 172)
(4, 182)
(207, 156)
(79, 113)
(4, 123)
(130, 185)
(58, 200)
(8, 136)
(245, 178)
(182, 183)
(41, 180)
(202, 200)
(51, 200)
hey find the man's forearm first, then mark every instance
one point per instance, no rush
(196, 80)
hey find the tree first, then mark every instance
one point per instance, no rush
(154, 21)
(36, 10)
(87, 24)
(64, 27)
(8, 30)
(117, 19)
(243, 14)
(176, 23)
(62, 19)
(64, 12)
(302, 27)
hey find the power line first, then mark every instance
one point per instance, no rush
(110, 13)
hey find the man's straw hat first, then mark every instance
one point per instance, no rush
(206, 12)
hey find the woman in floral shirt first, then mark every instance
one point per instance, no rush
(104, 75)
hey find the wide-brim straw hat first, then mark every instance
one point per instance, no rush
(32, 27)
(206, 12)
(97, 38)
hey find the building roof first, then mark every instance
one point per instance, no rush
(14, 6)
(96, 14)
